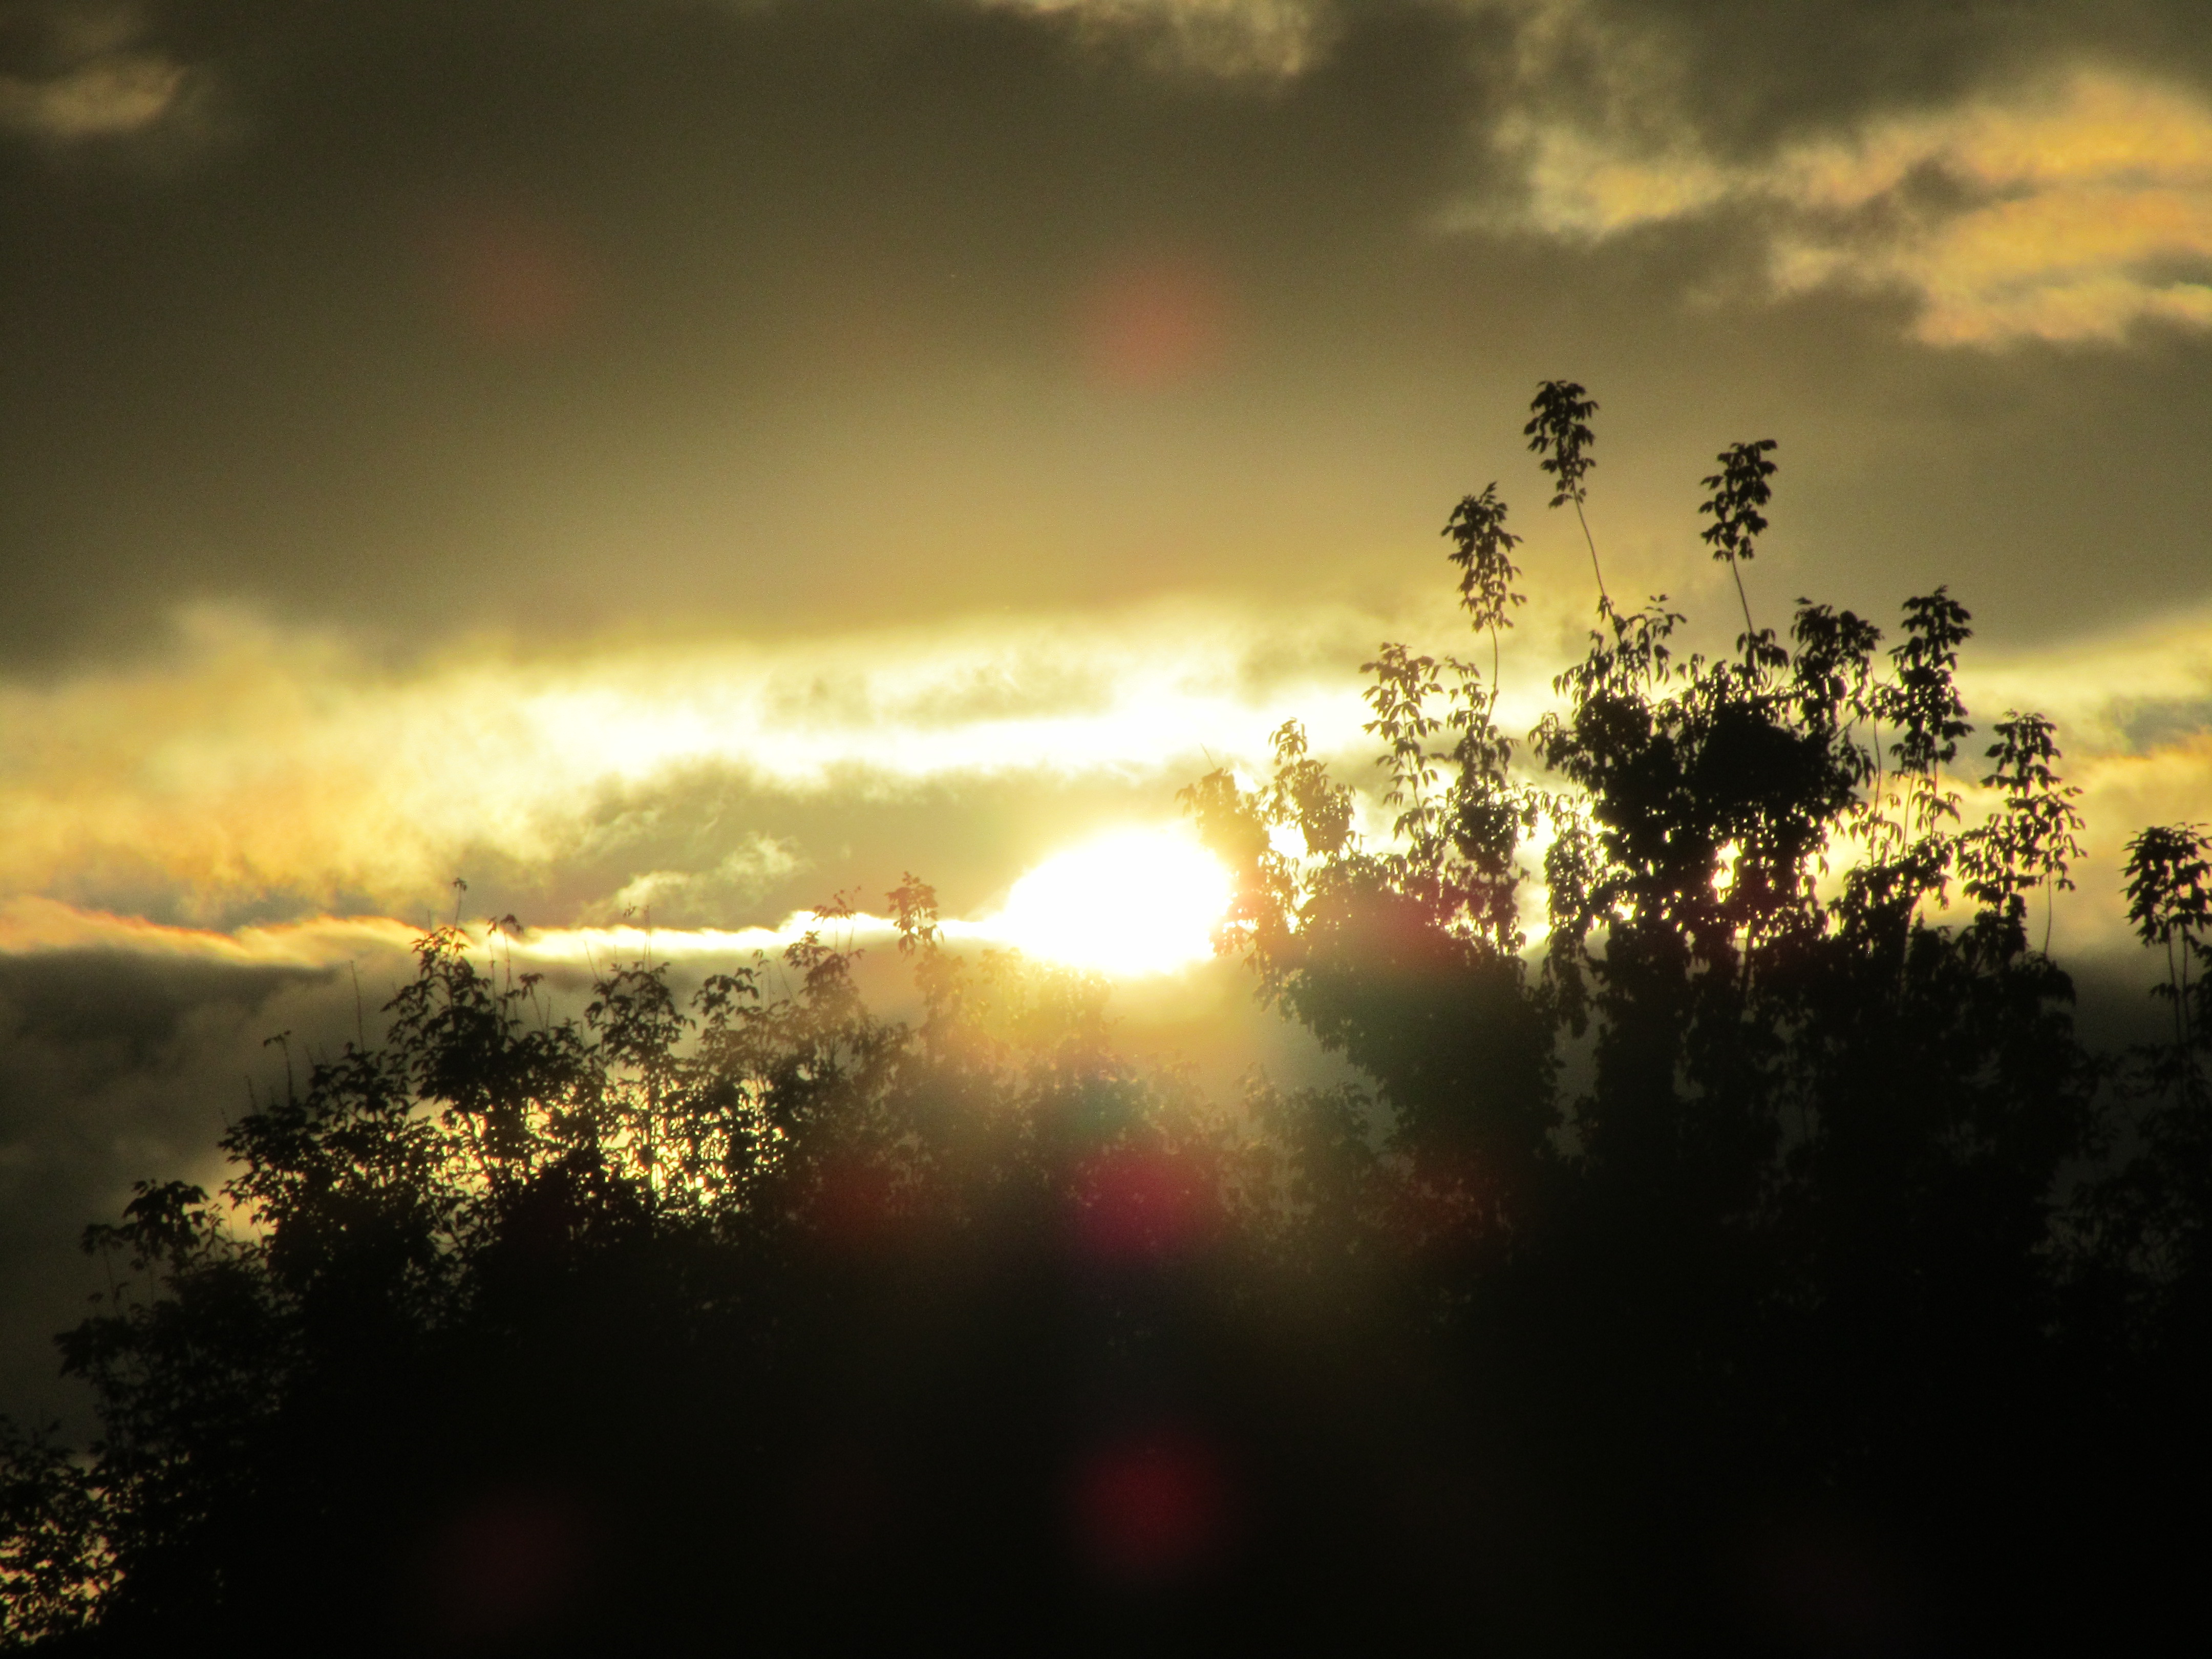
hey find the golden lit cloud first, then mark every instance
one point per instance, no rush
(252, 762)
(741, 874)
(2102, 687)
(253, 772)
(30, 924)
(2074, 210)
(1136, 901)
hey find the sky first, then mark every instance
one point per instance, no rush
(673, 460)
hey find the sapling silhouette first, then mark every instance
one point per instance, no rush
(2169, 890)
(1558, 430)
(2031, 841)
(1922, 705)
(1483, 548)
(1739, 490)
(2159, 1207)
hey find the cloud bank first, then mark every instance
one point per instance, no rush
(256, 777)
(2068, 212)
(254, 762)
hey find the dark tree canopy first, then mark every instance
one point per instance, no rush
(1757, 1261)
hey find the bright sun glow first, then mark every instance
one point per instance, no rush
(1134, 901)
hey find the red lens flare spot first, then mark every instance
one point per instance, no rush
(511, 279)
(509, 1563)
(854, 1202)
(1151, 1508)
(1152, 322)
(860, 1204)
(1141, 1206)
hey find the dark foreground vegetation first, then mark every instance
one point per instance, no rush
(1762, 1265)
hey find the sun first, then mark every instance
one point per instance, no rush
(1137, 900)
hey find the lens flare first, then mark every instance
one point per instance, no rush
(1140, 901)
(1156, 322)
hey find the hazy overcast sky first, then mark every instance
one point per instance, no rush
(693, 455)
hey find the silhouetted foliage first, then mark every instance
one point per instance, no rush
(1740, 490)
(55, 1561)
(1558, 430)
(2156, 1210)
(1756, 1262)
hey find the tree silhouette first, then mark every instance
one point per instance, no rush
(1754, 1259)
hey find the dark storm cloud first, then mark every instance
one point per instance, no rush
(470, 296)
(560, 316)
(114, 1069)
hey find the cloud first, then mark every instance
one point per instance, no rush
(2085, 208)
(1232, 40)
(2134, 712)
(91, 77)
(254, 776)
(108, 97)
(32, 925)
(2073, 209)
(41, 928)
(118, 1065)
(253, 763)
(2101, 687)
(679, 895)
